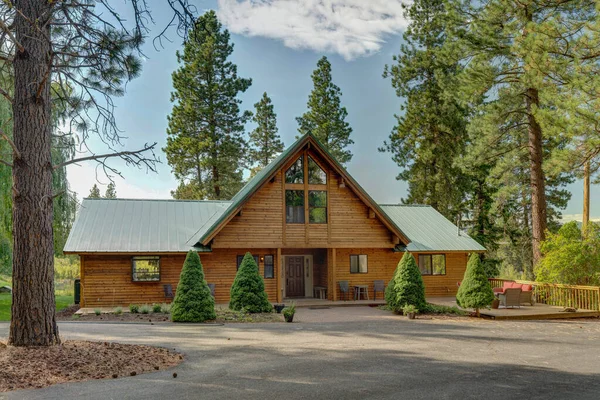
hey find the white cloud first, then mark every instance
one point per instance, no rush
(351, 28)
(576, 217)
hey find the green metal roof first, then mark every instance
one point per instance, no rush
(132, 225)
(429, 230)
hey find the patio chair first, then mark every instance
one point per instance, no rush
(344, 289)
(510, 298)
(378, 286)
(212, 286)
(168, 289)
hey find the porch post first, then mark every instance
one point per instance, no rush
(333, 262)
(280, 273)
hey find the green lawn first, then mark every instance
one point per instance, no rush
(5, 300)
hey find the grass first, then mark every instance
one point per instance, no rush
(433, 309)
(6, 299)
(227, 315)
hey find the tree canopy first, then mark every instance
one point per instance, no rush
(264, 140)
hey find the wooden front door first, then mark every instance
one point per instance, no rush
(294, 276)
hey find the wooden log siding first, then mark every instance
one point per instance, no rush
(107, 278)
(382, 263)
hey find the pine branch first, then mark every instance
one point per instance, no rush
(12, 37)
(16, 153)
(129, 156)
(6, 95)
(5, 163)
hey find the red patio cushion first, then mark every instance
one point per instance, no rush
(507, 284)
(516, 285)
(527, 288)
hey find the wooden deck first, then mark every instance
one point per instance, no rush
(537, 312)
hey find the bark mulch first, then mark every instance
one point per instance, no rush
(37, 367)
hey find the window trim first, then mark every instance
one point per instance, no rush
(430, 255)
(358, 261)
(272, 265)
(133, 271)
(303, 197)
(316, 207)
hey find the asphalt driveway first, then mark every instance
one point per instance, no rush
(353, 352)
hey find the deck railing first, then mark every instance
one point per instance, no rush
(554, 294)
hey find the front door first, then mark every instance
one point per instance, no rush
(294, 276)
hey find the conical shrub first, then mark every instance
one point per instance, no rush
(406, 286)
(248, 289)
(193, 302)
(475, 290)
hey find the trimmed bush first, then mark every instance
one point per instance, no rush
(156, 308)
(145, 309)
(248, 289)
(193, 302)
(406, 286)
(134, 308)
(475, 290)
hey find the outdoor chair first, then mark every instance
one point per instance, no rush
(211, 286)
(344, 289)
(168, 291)
(510, 298)
(378, 286)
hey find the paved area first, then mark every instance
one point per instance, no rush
(353, 352)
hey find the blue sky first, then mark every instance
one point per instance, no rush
(279, 57)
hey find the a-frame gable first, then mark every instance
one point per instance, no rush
(264, 190)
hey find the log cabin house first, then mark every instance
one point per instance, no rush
(307, 222)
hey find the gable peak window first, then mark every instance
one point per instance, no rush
(295, 173)
(316, 175)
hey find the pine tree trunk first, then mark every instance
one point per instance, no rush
(33, 321)
(586, 197)
(536, 174)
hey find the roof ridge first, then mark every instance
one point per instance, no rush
(169, 200)
(404, 205)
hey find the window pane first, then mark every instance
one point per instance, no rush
(353, 264)
(269, 267)
(295, 174)
(294, 206)
(425, 264)
(439, 264)
(316, 176)
(362, 263)
(317, 210)
(146, 269)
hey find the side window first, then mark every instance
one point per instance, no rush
(432, 264)
(269, 266)
(145, 269)
(358, 264)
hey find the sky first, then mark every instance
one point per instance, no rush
(277, 44)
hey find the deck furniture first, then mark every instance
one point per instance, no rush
(211, 286)
(361, 290)
(378, 286)
(510, 298)
(344, 289)
(526, 291)
(168, 289)
(320, 292)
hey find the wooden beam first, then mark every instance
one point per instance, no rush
(280, 273)
(371, 213)
(333, 267)
(81, 282)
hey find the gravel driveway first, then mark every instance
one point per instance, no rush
(353, 352)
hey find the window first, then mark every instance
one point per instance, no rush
(316, 176)
(317, 206)
(294, 206)
(240, 258)
(432, 264)
(358, 263)
(295, 173)
(269, 267)
(145, 269)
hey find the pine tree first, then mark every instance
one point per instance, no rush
(431, 130)
(475, 290)
(205, 134)
(94, 192)
(193, 301)
(248, 289)
(326, 118)
(266, 143)
(529, 58)
(406, 286)
(111, 191)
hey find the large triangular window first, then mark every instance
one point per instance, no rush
(316, 175)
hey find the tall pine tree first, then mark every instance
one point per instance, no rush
(326, 118)
(111, 191)
(94, 192)
(431, 132)
(205, 134)
(524, 56)
(266, 143)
